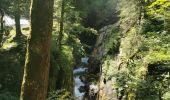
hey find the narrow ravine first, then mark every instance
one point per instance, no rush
(77, 81)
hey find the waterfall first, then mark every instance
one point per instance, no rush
(77, 81)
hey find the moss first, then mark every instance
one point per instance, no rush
(65, 62)
(61, 70)
(60, 95)
(130, 66)
(8, 96)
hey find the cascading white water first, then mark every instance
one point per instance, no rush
(9, 21)
(77, 81)
(85, 60)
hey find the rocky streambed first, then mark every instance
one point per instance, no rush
(85, 87)
(78, 82)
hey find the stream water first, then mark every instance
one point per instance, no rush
(9, 21)
(77, 81)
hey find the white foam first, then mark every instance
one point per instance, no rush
(85, 60)
(9, 21)
(79, 70)
(78, 84)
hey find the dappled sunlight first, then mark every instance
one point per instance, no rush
(8, 46)
(84, 50)
(8, 41)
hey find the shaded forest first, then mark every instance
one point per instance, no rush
(84, 50)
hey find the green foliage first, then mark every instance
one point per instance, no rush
(141, 68)
(97, 12)
(129, 14)
(11, 65)
(62, 61)
(7, 96)
(9, 7)
(137, 43)
(61, 67)
(60, 95)
(72, 25)
(166, 96)
(160, 9)
(71, 16)
(112, 44)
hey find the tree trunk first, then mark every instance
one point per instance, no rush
(2, 24)
(17, 18)
(61, 24)
(1, 20)
(36, 71)
(17, 25)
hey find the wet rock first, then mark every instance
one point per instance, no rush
(82, 78)
(94, 65)
(82, 89)
(104, 81)
(93, 89)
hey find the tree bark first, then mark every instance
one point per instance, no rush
(17, 25)
(60, 37)
(36, 71)
(17, 18)
(2, 24)
(1, 19)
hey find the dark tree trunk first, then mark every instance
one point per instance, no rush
(1, 20)
(36, 72)
(17, 25)
(17, 18)
(160, 95)
(60, 37)
(2, 24)
(59, 81)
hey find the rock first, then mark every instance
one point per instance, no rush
(82, 78)
(93, 89)
(94, 65)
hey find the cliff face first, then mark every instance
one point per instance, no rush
(116, 65)
(100, 51)
(104, 34)
(134, 56)
(139, 61)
